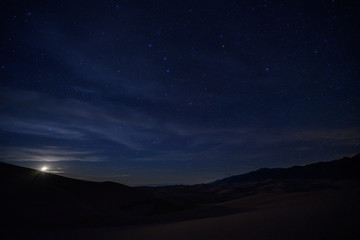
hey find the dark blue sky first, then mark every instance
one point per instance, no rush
(152, 92)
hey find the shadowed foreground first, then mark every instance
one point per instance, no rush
(330, 214)
(45, 206)
(325, 214)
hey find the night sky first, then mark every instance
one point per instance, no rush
(169, 92)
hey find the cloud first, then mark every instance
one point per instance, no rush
(97, 76)
(55, 171)
(157, 139)
(48, 154)
(225, 144)
(48, 129)
(74, 119)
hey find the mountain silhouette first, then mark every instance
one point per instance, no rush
(345, 168)
(33, 198)
(39, 198)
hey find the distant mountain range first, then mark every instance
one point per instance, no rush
(34, 198)
(345, 168)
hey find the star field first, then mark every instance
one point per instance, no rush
(165, 92)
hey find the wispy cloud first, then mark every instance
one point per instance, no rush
(40, 128)
(156, 138)
(48, 154)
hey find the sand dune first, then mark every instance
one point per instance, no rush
(36, 205)
(324, 214)
(329, 214)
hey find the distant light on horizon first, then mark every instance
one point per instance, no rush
(44, 169)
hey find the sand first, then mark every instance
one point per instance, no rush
(320, 215)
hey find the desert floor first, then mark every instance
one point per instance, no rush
(324, 214)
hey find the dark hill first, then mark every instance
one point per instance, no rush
(17, 176)
(32, 197)
(345, 168)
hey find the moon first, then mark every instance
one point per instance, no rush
(44, 168)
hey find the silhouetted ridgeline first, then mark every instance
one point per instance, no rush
(33, 198)
(38, 198)
(345, 168)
